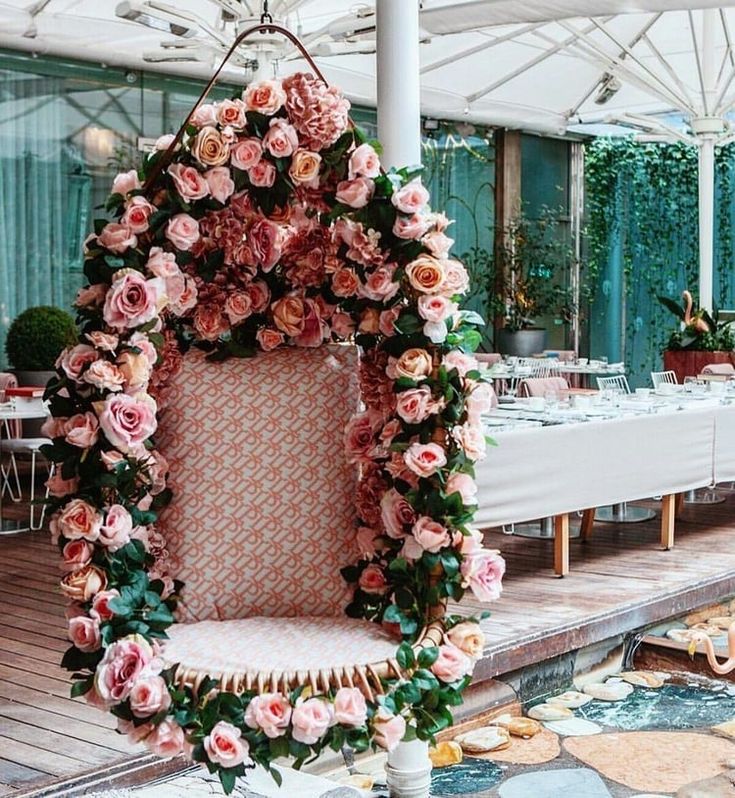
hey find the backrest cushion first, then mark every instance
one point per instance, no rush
(262, 517)
(538, 386)
(719, 368)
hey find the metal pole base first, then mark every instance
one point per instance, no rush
(624, 513)
(542, 529)
(8, 527)
(704, 496)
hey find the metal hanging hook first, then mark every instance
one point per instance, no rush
(266, 16)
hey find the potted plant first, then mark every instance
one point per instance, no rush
(532, 258)
(34, 341)
(699, 340)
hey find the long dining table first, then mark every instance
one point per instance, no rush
(643, 451)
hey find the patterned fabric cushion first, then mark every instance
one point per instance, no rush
(262, 517)
(263, 645)
(538, 386)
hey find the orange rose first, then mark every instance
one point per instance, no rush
(84, 584)
(468, 637)
(414, 364)
(305, 168)
(288, 315)
(136, 368)
(370, 321)
(426, 274)
(209, 148)
(345, 283)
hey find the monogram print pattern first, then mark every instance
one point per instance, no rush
(262, 517)
(264, 645)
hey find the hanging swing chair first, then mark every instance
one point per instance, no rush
(264, 445)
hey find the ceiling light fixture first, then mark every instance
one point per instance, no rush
(155, 15)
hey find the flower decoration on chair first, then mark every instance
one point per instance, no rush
(274, 225)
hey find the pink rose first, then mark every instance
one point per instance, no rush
(456, 279)
(76, 554)
(149, 696)
(238, 306)
(103, 341)
(84, 633)
(425, 459)
(469, 638)
(72, 361)
(112, 459)
(366, 541)
(263, 174)
(370, 321)
(164, 142)
(388, 319)
(125, 182)
(396, 513)
(58, 486)
(345, 283)
(210, 322)
(81, 430)
(471, 438)
(132, 300)
(232, 113)
(128, 421)
(104, 376)
(91, 295)
(269, 712)
(182, 231)
(480, 401)
(469, 543)
(246, 153)
(100, 604)
(167, 739)
(350, 708)
(182, 294)
(189, 182)
(265, 242)
(388, 729)
(220, 182)
(314, 329)
(415, 405)
(410, 227)
(464, 485)
(224, 745)
(364, 162)
(125, 662)
(436, 308)
(115, 532)
(281, 140)
(269, 338)
(141, 341)
(437, 243)
(260, 294)
(372, 580)
(205, 114)
(430, 534)
(482, 572)
(355, 193)
(379, 285)
(78, 519)
(162, 264)
(342, 325)
(137, 212)
(311, 719)
(411, 198)
(460, 361)
(117, 238)
(452, 664)
(265, 96)
(360, 436)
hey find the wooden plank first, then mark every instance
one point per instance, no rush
(44, 762)
(20, 775)
(48, 740)
(561, 545)
(33, 638)
(587, 524)
(49, 702)
(668, 521)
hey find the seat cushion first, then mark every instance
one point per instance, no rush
(261, 646)
(262, 517)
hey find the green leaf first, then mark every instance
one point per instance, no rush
(81, 687)
(228, 778)
(405, 656)
(427, 656)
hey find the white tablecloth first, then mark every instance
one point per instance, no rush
(552, 470)
(724, 465)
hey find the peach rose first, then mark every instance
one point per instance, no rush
(58, 486)
(167, 739)
(452, 664)
(125, 662)
(482, 572)
(118, 238)
(430, 534)
(410, 227)
(132, 300)
(366, 541)
(125, 182)
(411, 198)
(372, 580)
(269, 712)
(103, 341)
(370, 321)
(350, 708)
(380, 286)
(209, 147)
(81, 430)
(456, 279)
(364, 162)
(210, 322)
(128, 421)
(464, 485)
(416, 364)
(471, 438)
(149, 696)
(183, 231)
(91, 295)
(468, 638)
(264, 97)
(263, 174)
(288, 315)
(78, 519)
(115, 532)
(342, 325)
(304, 169)
(396, 513)
(426, 274)
(84, 584)
(388, 729)
(269, 339)
(84, 633)
(189, 182)
(104, 376)
(436, 308)
(281, 139)
(246, 153)
(137, 213)
(355, 193)
(76, 554)
(224, 745)
(232, 113)
(415, 405)
(135, 370)
(73, 360)
(238, 306)
(100, 604)
(344, 283)
(425, 459)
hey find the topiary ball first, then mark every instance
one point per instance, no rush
(37, 336)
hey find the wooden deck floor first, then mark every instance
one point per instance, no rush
(619, 581)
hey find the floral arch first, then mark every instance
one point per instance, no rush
(272, 225)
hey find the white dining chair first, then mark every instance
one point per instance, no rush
(663, 378)
(619, 382)
(32, 448)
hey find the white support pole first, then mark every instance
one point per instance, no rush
(399, 95)
(408, 770)
(706, 221)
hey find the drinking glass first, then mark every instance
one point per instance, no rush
(689, 384)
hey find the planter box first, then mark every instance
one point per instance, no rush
(689, 363)
(523, 343)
